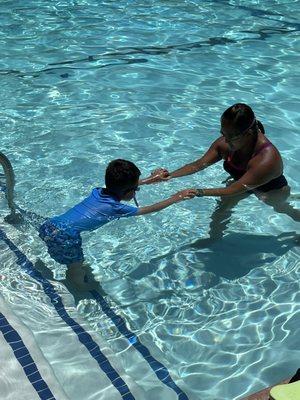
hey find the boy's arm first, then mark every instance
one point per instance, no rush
(175, 198)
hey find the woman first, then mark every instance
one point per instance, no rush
(253, 162)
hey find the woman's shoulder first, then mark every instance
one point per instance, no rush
(266, 148)
(221, 146)
(266, 155)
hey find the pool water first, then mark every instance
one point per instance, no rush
(85, 82)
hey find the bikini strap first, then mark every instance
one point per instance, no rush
(262, 147)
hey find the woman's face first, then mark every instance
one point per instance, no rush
(233, 137)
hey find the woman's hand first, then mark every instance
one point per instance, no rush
(185, 194)
(161, 173)
(158, 175)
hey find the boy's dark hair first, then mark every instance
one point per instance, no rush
(121, 176)
(242, 115)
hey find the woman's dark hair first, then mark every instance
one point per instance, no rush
(121, 175)
(242, 117)
(260, 126)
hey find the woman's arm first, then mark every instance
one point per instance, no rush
(160, 174)
(213, 155)
(261, 170)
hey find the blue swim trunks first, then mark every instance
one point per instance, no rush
(63, 242)
(62, 233)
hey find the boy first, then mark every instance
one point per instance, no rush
(62, 233)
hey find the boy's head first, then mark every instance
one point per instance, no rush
(121, 178)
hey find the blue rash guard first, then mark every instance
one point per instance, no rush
(62, 233)
(94, 211)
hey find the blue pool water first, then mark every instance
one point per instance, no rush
(84, 82)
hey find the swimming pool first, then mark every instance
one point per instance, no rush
(84, 82)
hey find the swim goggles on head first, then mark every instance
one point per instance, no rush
(249, 127)
(135, 201)
(135, 189)
(243, 132)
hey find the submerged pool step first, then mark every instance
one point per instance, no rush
(83, 365)
(83, 362)
(25, 373)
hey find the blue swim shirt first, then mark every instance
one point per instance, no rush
(94, 211)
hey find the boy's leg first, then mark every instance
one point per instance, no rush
(67, 250)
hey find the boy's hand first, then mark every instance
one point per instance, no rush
(184, 195)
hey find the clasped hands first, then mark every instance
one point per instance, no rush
(158, 175)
